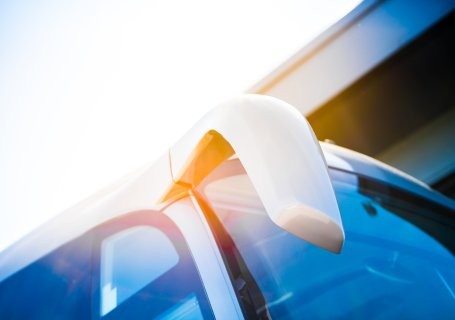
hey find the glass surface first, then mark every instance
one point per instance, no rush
(57, 286)
(388, 268)
(146, 271)
(188, 309)
(130, 260)
(137, 266)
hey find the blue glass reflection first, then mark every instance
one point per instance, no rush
(130, 260)
(57, 286)
(388, 267)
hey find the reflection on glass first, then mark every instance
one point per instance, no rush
(388, 266)
(187, 309)
(130, 260)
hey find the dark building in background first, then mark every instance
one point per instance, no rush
(382, 81)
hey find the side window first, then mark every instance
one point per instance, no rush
(130, 260)
(57, 286)
(137, 266)
(145, 270)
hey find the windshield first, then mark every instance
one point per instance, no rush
(389, 266)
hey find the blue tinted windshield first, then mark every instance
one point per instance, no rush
(388, 267)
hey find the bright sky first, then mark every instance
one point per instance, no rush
(90, 90)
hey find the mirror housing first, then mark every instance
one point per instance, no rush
(281, 156)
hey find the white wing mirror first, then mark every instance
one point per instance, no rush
(281, 156)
